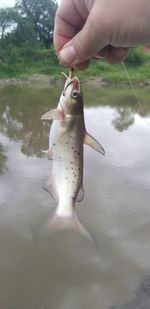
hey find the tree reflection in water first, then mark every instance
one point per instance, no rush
(21, 109)
(124, 118)
(20, 114)
(3, 159)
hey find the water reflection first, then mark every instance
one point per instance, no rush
(21, 109)
(123, 119)
(20, 112)
(142, 297)
(3, 160)
(65, 271)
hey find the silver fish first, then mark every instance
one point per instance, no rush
(67, 137)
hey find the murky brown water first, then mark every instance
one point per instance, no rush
(65, 271)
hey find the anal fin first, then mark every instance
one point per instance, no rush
(50, 188)
(93, 143)
(80, 195)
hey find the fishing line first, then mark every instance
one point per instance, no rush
(135, 92)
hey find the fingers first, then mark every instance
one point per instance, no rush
(79, 36)
(83, 65)
(68, 22)
(113, 54)
(85, 43)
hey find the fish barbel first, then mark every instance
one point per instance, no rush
(67, 137)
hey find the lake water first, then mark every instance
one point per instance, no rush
(65, 271)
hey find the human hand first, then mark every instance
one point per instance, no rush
(88, 28)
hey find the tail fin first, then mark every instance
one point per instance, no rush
(60, 223)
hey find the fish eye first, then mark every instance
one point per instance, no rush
(75, 93)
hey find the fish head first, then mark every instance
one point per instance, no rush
(72, 97)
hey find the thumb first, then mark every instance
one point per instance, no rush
(87, 42)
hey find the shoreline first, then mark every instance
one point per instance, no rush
(44, 81)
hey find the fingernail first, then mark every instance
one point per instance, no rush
(68, 55)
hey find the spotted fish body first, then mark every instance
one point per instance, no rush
(67, 167)
(67, 137)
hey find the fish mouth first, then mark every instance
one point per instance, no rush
(64, 91)
(76, 85)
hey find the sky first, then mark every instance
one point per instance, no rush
(6, 3)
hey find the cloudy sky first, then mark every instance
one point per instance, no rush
(5, 3)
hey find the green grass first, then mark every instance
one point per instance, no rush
(137, 64)
(19, 62)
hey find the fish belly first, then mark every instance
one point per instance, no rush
(67, 167)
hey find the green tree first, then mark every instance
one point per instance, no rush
(39, 13)
(15, 29)
(8, 21)
(24, 33)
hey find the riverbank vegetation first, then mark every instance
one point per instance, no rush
(26, 35)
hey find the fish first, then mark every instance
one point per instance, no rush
(67, 137)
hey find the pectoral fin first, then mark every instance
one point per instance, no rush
(53, 114)
(93, 143)
(48, 153)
